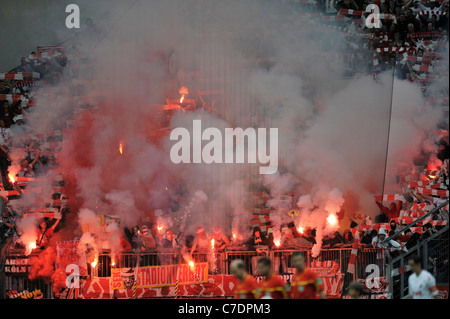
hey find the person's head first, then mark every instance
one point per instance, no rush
(264, 266)
(401, 17)
(416, 4)
(348, 236)
(373, 233)
(415, 263)
(135, 230)
(393, 224)
(409, 13)
(169, 234)
(393, 206)
(408, 232)
(257, 232)
(23, 61)
(43, 225)
(237, 269)
(24, 163)
(217, 231)
(288, 233)
(427, 227)
(430, 27)
(381, 234)
(298, 260)
(355, 290)
(200, 231)
(2, 124)
(347, 2)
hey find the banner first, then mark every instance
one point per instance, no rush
(159, 276)
(67, 253)
(216, 286)
(17, 266)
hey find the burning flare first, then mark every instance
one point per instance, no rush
(12, 178)
(277, 242)
(121, 148)
(160, 228)
(94, 263)
(183, 91)
(300, 229)
(212, 243)
(191, 264)
(332, 219)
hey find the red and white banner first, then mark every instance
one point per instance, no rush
(19, 76)
(67, 253)
(388, 198)
(216, 286)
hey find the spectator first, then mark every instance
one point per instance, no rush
(220, 240)
(392, 212)
(201, 241)
(7, 114)
(168, 240)
(415, 237)
(257, 239)
(428, 231)
(393, 225)
(368, 237)
(287, 239)
(44, 232)
(24, 66)
(377, 242)
(136, 239)
(148, 241)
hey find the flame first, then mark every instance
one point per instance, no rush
(234, 236)
(113, 263)
(432, 176)
(31, 246)
(160, 228)
(300, 229)
(212, 242)
(191, 264)
(121, 148)
(183, 91)
(277, 242)
(94, 263)
(12, 178)
(332, 219)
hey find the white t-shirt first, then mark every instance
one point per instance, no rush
(422, 286)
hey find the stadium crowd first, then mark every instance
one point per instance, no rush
(412, 40)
